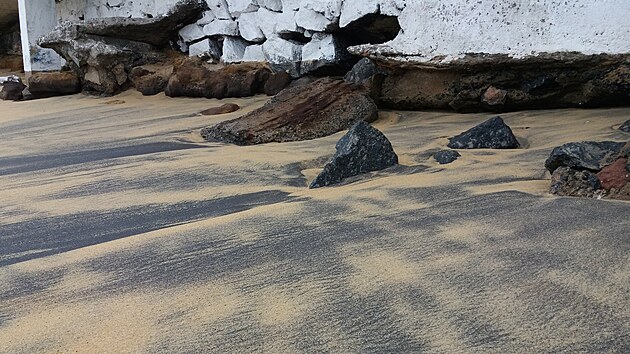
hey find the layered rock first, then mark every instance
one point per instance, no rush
(363, 149)
(303, 112)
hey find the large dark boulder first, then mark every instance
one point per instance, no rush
(367, 73)
(491, 134)
(363, 149)
(277, 82)
(625, 127)
(12, 91)
(587, 155)
(54, 83)
(304, 112)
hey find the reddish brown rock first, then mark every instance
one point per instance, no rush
(226, 108)
(193, 78)
(299, 113)
(54, 83)
(615, 175)
(494, 97)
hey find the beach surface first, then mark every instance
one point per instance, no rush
(121, 230)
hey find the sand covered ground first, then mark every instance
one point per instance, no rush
(121, 230)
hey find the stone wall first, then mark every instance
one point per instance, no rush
(302, 36)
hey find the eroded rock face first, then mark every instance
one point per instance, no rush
(363, 149)
(625, 127)
(587, 155)
(304, 112)
(491, 134)
(54, 83)
(444, 157)
(554, 81)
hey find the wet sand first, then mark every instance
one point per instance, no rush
(121, 230)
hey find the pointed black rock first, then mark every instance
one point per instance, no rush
(625, 127)
(363, 149)
(491, 134)
(446, 156)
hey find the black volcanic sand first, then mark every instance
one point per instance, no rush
(122, 231)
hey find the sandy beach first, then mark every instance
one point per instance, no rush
(122, 230)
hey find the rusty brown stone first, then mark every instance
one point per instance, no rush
(494, 96)
(305, 112)
(615, 175)
(54, 83)
(226, 108)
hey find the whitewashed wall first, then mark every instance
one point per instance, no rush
(251, 30)
(452, 28)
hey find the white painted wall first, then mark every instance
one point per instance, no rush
(37, 18)
(453, 28)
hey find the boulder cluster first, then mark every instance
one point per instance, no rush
(298, 36)
(590, 169)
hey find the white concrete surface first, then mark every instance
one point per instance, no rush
(37, 18)
(453, 28)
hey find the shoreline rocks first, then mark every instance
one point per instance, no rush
(590, 169)
(304, 112)
(363, 149)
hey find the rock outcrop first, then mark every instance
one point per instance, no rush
(625, 127)
(102, 52)
(587, 155)
(303, 112)
(444, 157)
(503, 84)
(363, 149)
(491, 134)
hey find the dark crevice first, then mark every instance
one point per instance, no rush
(370, 29)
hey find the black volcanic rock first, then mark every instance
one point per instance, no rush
(491, 134)
(586, 155)
(625, 127)
(446, 156)
(12, 91)
(363, 149)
